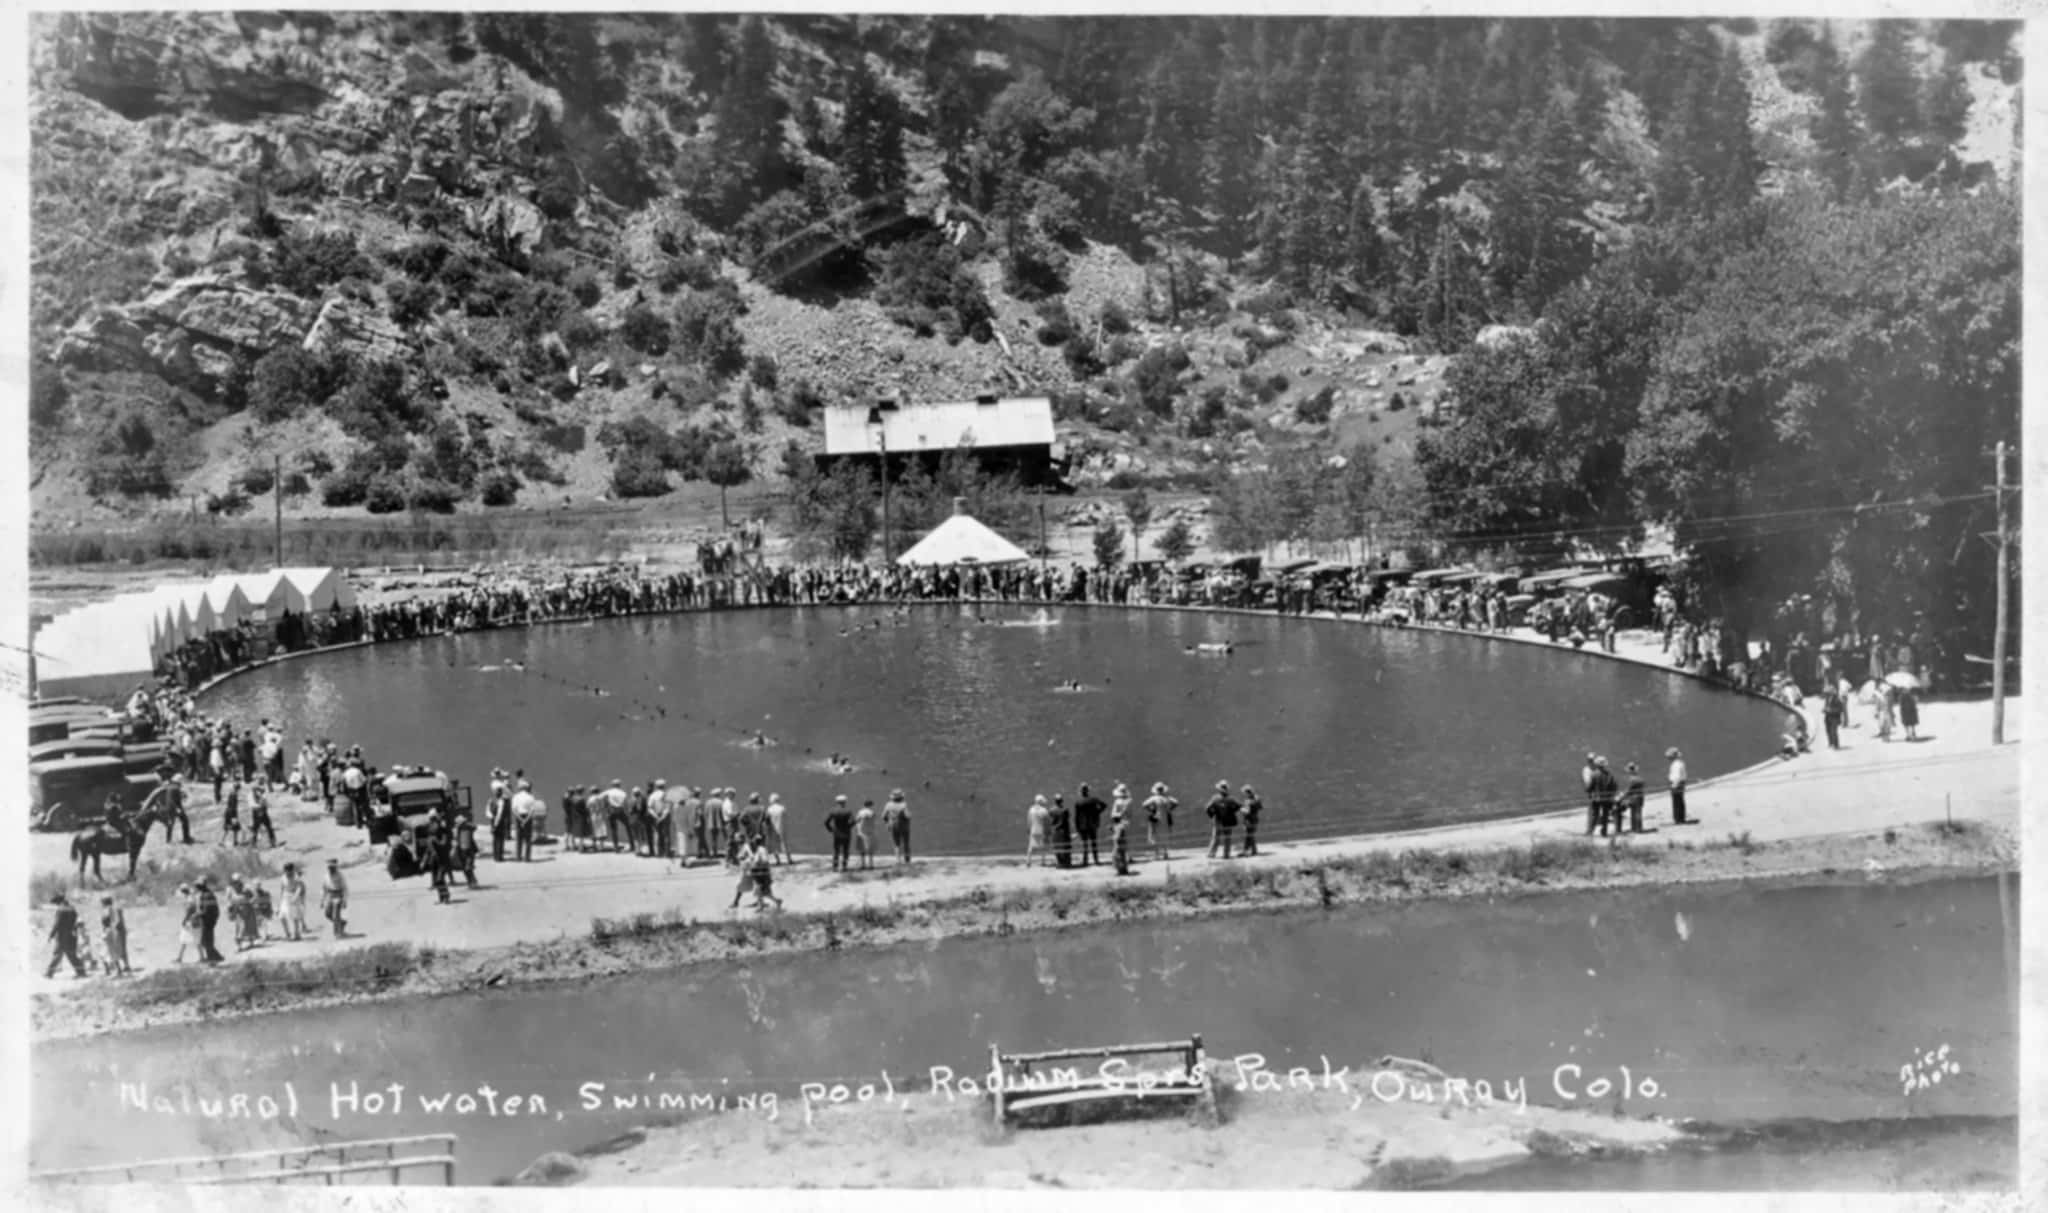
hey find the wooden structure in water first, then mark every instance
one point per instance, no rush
(386, 1160)
(1020, 1082)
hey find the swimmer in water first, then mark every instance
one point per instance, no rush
(1223, 648)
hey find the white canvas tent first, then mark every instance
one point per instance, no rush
(270, 595)
(224, 594)
(320, 589)
(962, 540)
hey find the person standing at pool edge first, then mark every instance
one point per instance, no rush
(1253, 806)
(900, 830)
(839, 824)
(1222, 815)
(1159, 820)
(1677, 778)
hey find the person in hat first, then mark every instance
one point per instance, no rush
(660, 820)
(776, 837)
(334, 898)
(896, 817)
(1120, 831)
(1062, 829)
(754, 819)
(864, 834)
(1602, 795)
(1253, 806)
(696, 819)
(465, 848)
(1632, 801)
(1676, 777)
(63, 937)
(1088, 810)
(114, 937)
(1159, 807)
(525, 808)
(188, 921)
(1038, 818)
(1222, 814)
(839, 824)
(209, 921)
(259, 814)
(291, 899)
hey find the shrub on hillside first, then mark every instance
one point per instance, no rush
(584, 284)
(534, 465)
(1116, 319)
(228, 503)
(762, 372)
(579, 332)
(707, 324)
(413, 301)
(645, 330)
(349, 486)
(1055, 326)
(47, 394)
(1315, 410)
(373, 403)
(1082, 356)
(384, 496)
(637, 472)
(567, 439)
(1398, 403)
(257, 479)
(1034, 267)
(500, 489)
(923, 286)
(433, 496)
(309, 263)
(1122, 349)
(422, 260)
(1155, 380)
(693, 270)
(288, 379)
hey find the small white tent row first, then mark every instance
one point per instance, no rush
(124, 636)
(228, 600)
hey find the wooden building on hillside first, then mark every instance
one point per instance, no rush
(1006, 435)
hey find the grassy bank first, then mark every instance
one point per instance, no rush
(655, 940)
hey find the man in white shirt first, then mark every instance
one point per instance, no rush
(1677, 778)
(615, 810)
(525, 808)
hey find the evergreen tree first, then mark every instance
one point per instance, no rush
(871, 135)
(1887, 86)
(1835, 137)
(749, 164)
(1945, 104)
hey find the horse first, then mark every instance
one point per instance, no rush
(100, 839)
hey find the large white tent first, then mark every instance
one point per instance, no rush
(103, 643)
(962, 540)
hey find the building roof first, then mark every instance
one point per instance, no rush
(1017, 421)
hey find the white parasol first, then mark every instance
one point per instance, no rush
(1902, 680)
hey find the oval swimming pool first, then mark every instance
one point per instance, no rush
(1343, 728)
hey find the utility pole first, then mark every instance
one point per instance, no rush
(1044, 553)
(277, 515)
(882, 436)
(1998, 639)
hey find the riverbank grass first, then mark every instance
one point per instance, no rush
(258, 983)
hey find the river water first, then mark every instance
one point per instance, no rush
(1739, 1006)
(1343, 728)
